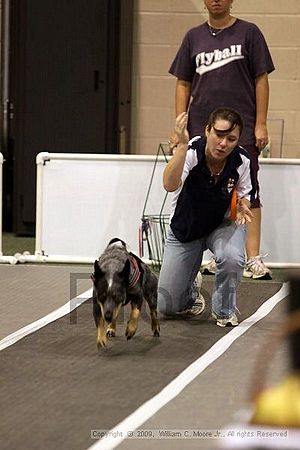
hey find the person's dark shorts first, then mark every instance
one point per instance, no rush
(254, 153)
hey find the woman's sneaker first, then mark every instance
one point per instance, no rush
(197, 308)
(228, 322)
(209, 268)
(256, 268)
(199, 305)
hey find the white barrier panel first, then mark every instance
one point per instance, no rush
(280, 190)
(85, 200)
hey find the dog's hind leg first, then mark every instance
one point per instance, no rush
(150, 294)
(133, 321)
(154, 322)
(153, 314)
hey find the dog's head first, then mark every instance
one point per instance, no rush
(111, 279)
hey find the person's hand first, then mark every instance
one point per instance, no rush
(261, 136)
(243, 212)
(180, 128)
(173, 142)
(180, 134)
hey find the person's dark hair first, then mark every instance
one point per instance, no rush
(228, 114)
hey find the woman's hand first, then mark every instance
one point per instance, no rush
(243, 213)
(180, 128)
(180, 134)
(261, 136)
(173, 142)
(173, 171)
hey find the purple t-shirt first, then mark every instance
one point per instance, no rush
(222, 69)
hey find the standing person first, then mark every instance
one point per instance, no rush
(206, 176)
(226, 61)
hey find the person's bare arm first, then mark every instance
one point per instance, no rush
(173, 171)
(182, 96)
(262, 103)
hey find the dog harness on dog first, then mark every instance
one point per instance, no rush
(135, 272)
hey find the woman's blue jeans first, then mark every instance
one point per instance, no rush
(182, 260)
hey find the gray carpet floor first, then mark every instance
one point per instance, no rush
(56, 386)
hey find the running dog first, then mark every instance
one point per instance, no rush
(120, 277)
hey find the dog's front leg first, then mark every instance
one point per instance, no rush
(101, 336)
(132, 322)
(111, 329)
(99, 322)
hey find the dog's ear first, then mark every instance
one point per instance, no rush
(126, 271)
(97, 271)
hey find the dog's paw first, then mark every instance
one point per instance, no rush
(156, 333)
(111, 333)
(101, 342)
(155, 327)
(129, 333)
(131, 328)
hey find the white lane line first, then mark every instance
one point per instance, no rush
(118, 434)
(57, 314)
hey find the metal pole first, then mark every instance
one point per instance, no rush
(5, 51)
(1, 164)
